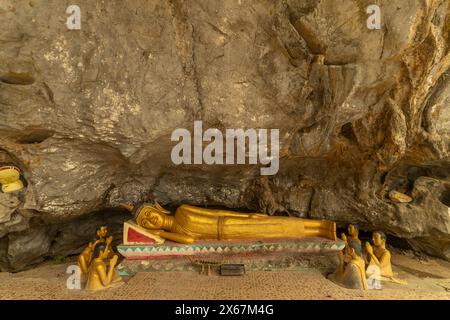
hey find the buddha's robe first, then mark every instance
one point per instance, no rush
(201, 223)
(354, 276)
(384, 257)
(351, 275)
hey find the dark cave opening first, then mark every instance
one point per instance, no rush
(347, 132)
(445, 197)
(366, 236)
(35, 136)
(413, 174)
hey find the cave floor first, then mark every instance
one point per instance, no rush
(428, 278)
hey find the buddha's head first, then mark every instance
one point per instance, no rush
(353, 230)
(354, 250)
(102, 232)
(153, 217)
(379, 239)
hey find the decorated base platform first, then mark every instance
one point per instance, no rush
(267, 254)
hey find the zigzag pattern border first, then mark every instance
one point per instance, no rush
(145, 251)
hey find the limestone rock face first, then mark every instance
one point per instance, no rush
(88, 114)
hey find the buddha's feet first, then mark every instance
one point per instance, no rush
(329, 229)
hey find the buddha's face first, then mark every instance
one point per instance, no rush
(102, 232)
(152, 217)
(377, 239)
(352, 230)
(154, 220)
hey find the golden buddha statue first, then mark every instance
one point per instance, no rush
(101, 233)
(85, 258)
(353, 236)
(353, 233)
(101, 274)
(10, 179)
(380, 257)
(191, 223)
(351, 269)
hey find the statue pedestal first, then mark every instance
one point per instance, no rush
(267, 254)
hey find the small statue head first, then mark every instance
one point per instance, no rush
(152, 216)
(379, 238)
(354, 250)
(353, 230)
(101, 251)
(102, 232)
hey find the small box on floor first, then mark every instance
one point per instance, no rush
(232, 270)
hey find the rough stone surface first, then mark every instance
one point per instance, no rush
(88, 114)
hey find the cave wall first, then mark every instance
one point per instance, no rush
(88, 114)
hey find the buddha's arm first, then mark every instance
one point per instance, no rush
(96, 242)
(82, 263)
(177, 237)
(385, 260)
(217, 213)
(373, 259)
(106, 278)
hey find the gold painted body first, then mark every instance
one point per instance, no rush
(379, 256)
(102, 275)
(85, 258)
(351, 271)
(98, 261)
(353, 237)
(192, 223)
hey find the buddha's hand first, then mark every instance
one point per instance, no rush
(343, 237)
(369, 248)
(156, 232)
(109, 240)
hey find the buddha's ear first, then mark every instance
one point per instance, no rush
(158, 206)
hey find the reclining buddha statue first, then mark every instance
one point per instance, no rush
(190, 223)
